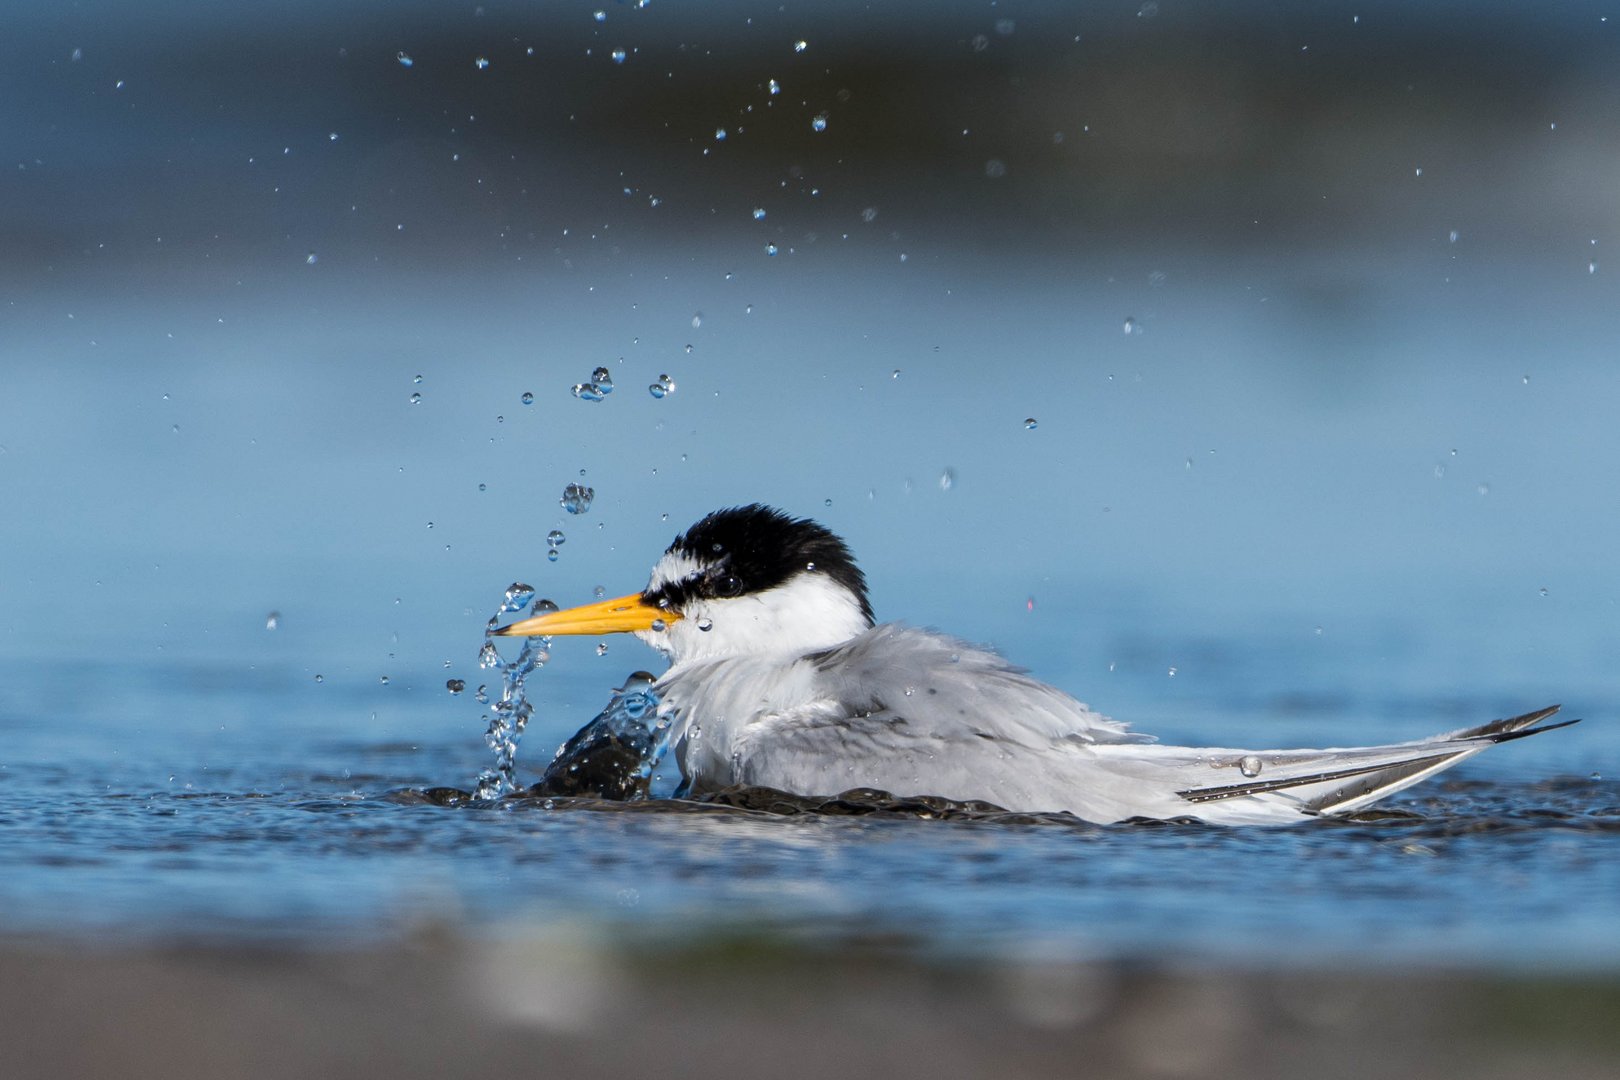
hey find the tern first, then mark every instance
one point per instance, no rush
(780, 677)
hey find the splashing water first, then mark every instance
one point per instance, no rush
(509, 714)
(617, 754)
(614, 756)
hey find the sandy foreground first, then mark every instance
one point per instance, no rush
(442, 1005)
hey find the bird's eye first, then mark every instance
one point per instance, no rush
(728, 585)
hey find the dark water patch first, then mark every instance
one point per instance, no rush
(1459, 808)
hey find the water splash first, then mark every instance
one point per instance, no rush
(616, 755)
(510, 713)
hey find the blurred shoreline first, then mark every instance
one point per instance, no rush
(441, 1004)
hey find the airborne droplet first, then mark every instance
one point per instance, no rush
(518, 596)
(576, 498)
(455, 686)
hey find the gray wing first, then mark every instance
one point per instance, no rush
(917, 713)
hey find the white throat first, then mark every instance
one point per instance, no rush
(808, 612)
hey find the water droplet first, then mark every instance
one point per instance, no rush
(819, 123)
(1318, 631)
(1452, 236)
(555, 538)
(482, 63)
(1005, 27)
(272, 621)
(320, 678)
(599, 16)
(416, 399)
(576, 498)
(517, 596)
(1029, 423)
(587, 392)
(719, 134)
(995, 168)
(77, 55)
(482, 694)
(455, 686)
(1544, 590)
(770, 249)
(601, 648)
(618, 56)
(800, 46)
(947, 479)
(488, 657)
(527, 398)
(1591, 268)
(603, 381)
(1172, 673)
(759, 213)
(705, 625)
(1250, 765)
(311, 259)
(383, 679)
(418, 379)
(774, 87)
(1130, 324)
(1484, 489)
(697, 321)
(658, 625)
(485, 487)
(979, 43)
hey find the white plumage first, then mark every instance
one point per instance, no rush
(779, 679)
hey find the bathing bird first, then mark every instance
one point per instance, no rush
(780, 677)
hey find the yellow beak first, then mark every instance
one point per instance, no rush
(616, 616)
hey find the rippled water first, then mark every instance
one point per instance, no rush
(207, 806)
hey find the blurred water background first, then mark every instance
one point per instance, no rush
(1248, 371)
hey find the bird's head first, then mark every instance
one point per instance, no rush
(745, 581)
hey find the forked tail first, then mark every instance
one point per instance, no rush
(1314, 782)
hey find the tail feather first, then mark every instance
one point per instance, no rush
(1339, 781)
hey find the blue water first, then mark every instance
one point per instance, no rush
(1348, 479)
